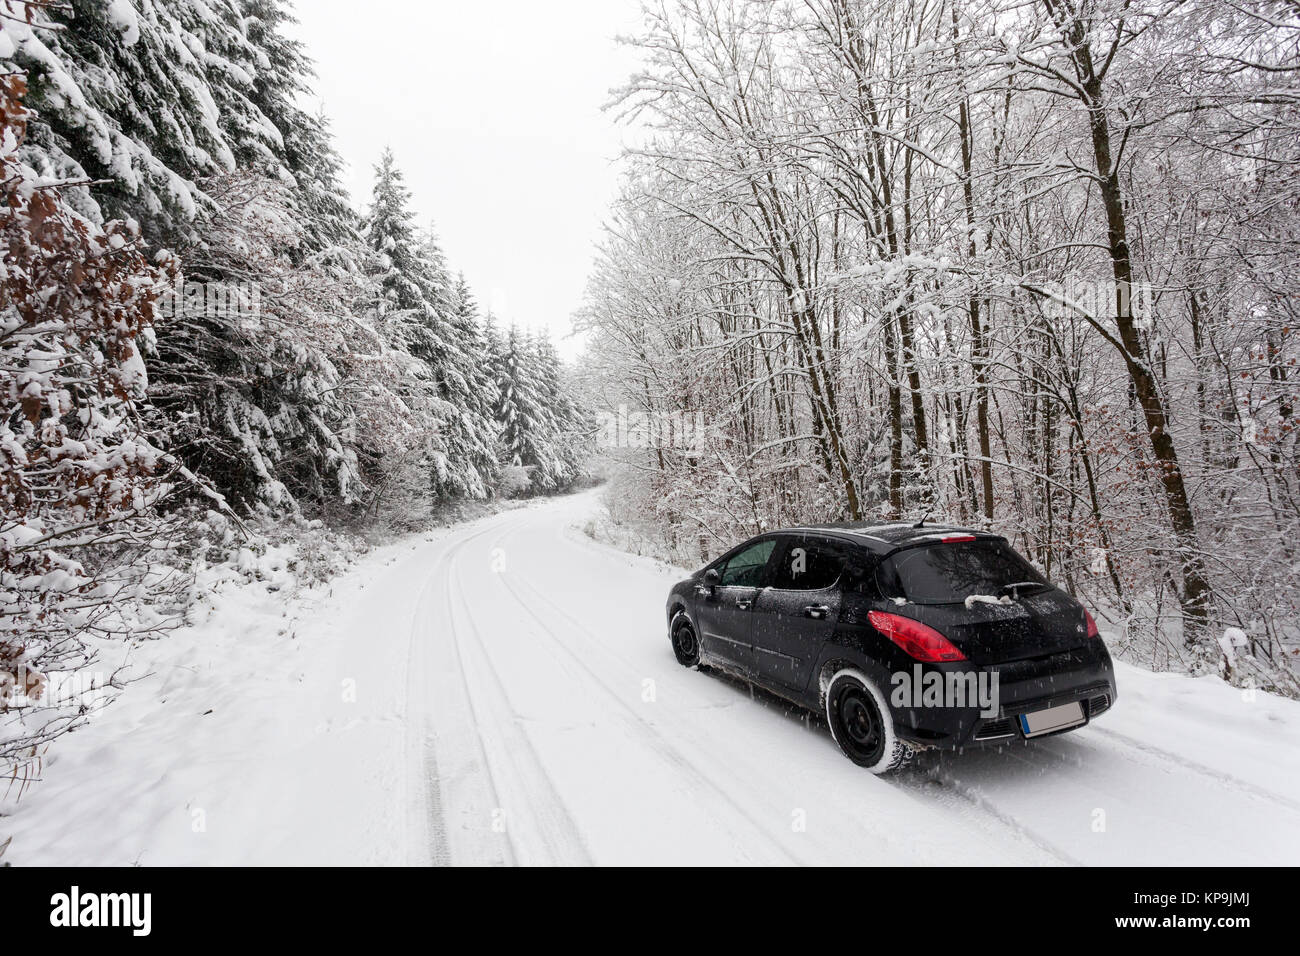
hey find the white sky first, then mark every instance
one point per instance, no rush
(493, 109)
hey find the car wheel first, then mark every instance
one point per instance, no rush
(862, 725)
(685, 644)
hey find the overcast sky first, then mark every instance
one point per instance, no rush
(494, 112)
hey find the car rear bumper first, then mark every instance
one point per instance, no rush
(1085, 675)
(1095, 701)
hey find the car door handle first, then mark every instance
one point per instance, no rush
(816, 610)
(744, 603)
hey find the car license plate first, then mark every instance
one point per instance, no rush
(1053, 718)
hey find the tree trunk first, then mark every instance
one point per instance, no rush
(977, 347)
(1195, 596)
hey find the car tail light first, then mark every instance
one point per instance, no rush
(1092, 625)
(957, 538)
(917, 639)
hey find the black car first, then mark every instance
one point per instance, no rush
(907, 637)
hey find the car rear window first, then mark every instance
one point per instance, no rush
(950, 573)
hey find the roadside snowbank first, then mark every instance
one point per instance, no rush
(186, 765)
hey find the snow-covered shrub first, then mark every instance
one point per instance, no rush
(513, 481)
(80, 480)
(281, 554)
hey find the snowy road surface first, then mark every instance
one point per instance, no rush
(504, 693)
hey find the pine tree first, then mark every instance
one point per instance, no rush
(469, 385)
(249, 375)
(420, 314)
(519, 410)
(404, 276)
(148, 101)
(306, 151)
(541, 430)
(571, 430)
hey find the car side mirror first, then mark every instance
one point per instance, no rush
(712, 578)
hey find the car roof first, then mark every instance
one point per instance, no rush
(886, 537)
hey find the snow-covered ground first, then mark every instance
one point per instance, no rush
(504, 692)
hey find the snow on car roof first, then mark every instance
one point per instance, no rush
(892, 534)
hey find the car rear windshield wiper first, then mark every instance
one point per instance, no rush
(1015, 586)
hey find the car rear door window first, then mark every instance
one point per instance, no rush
(745, 568)
(808, 564)
(950, 573)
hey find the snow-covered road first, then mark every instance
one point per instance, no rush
(505, 693)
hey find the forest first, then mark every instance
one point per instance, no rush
(1027, 266)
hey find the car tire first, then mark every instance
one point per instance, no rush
(686, 646)
(862, 725)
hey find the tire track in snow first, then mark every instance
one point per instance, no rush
(637, 724)
(1078, 764)
(1186, 763)
(977, 798)
(424, 787)
(559, 842)
(461, 784)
